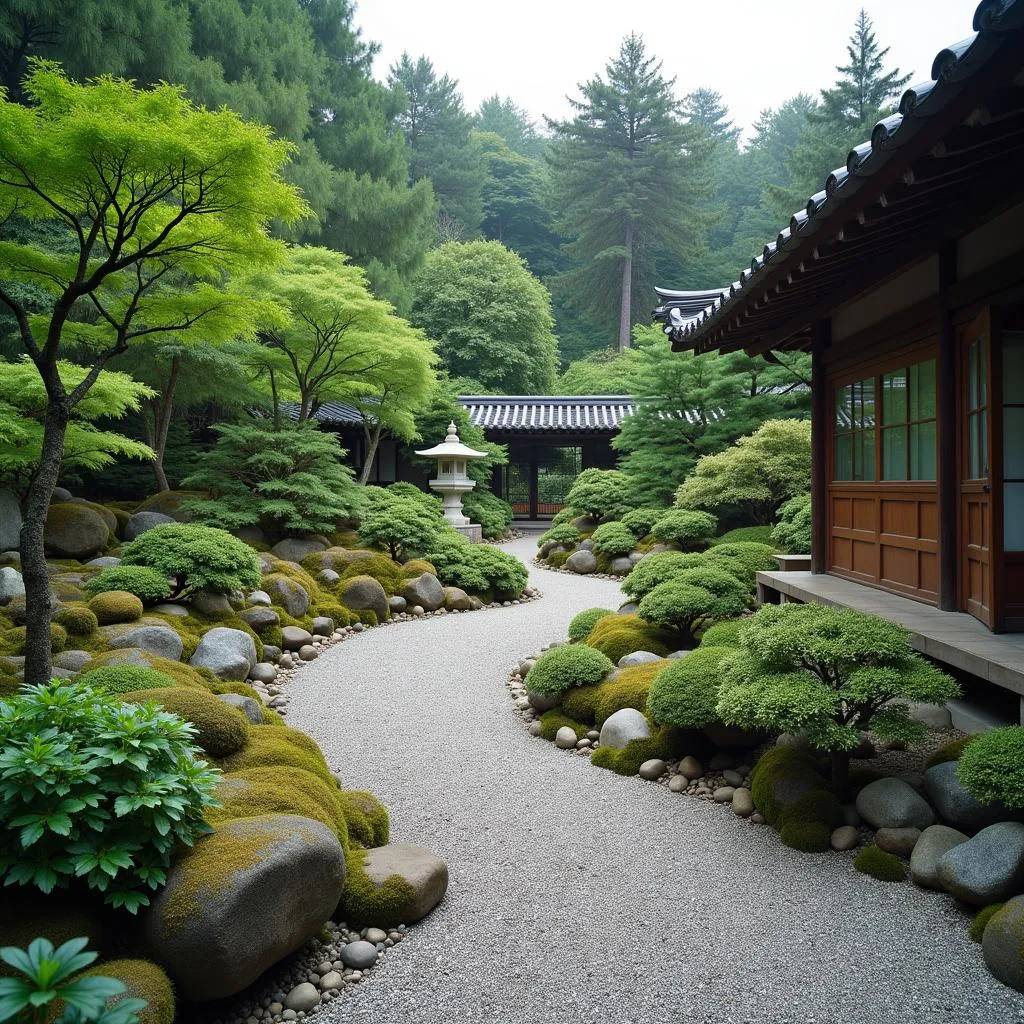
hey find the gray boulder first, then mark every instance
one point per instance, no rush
(206, 602)
(426, 591)
(328, 577)
(540, 702)
(240, 900)
(397, 604)
(143, 522)
(264, 671)
(456, 599)
(74, 531)
(425, 874)
(621, 727)
(11, 584)
(294, 637)
(620, 566)
(227, 653)
(892, 803)
(935, 842)
(74, 661)
(271, 654)
(259, 599)
(957, 807)
(103, 562)
(653, 769)
(846, 837)
(60, 494)
(582, 562)
(637, 658)
(295, 549)
(988, 868)
(179, 611)
(629, 608)
(565, 738)
(159, 640)
(900, 841)
(251, 534)
(249, 707)
(1003, 944)
(364, 593)
(291, 596)
(323, 625)
(10, 521)
(359, 955)
(259, 618)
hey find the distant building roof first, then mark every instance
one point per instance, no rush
(578, 414)
(335, 413)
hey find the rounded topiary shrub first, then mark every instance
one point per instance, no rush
(563, 533)
(640, 521)
(656, 569)
(723, 634)
(692, 597)
(77, 619)
(116, 606)
(686, 692)
(615, 636)
(417, 567)
(877, 863)
(117, 679)
(583, 622)
(563, 668)
(688, 529)
(613, 540)
(221, 729)
(149, 585)
(991, 767)
(744, 560)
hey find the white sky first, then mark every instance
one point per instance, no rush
(756, 53)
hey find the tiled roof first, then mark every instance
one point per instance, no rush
(579, 414)
(961, 127)
(335, 413)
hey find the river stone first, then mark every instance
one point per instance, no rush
(210, 604)
(900, 841)
(742, 802)
(456, 599)
(364, 593)
(582, 562)
(622, 726)
(307, 652)
(359, 955)
(426, 591)
(629, 608)
(425, 874)
(10, 521)
(1003, 944)
(302, 998)
(294, 637)
(652, 769)
(988, 868)
(637, 658)
(143, 522)
(271, 654)
(74, 531)
(397, 604)
(957, 807)
(228, 653)
(620, 566)
(263, 672)
(291, 596)
(565, 738)
(691, 767)
(259, 599)
(295, 549)
(846, 837)
(11, 584)
(179, 611)
(249, 707)
(74, 661)
(159, 640)
(328, 577)
(935, 842)
(892, 803)
(540, 701)
(259, 618)
(678, 784)
(323, 625)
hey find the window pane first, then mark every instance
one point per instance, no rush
(843, 413)
(894, 398)
(922, 451)
(894, 453)
(1013, 367)
(864, 456)
(844, 462)
(983, 371)
(973, 462)
(983, 443)
(1013, 517)
(1013, 443)
(867, 410)
(922, 390)
(972, 376)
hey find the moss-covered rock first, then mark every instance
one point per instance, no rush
(12, 641)
(886, 867)
(287, 592)
(125, 679)
(169, 503)
(268, 748)
(77, 619)
(74, 531)
(630, 688)
(417, 567)
(221, 730)
(365, 594)
(947, 752)
(367, 818)
(182, 674)
(663, 744)
(390, 575)
(781, 777)
(115, 606)
(390, 885)
(142, 979)
(553, 720)
(807, 836)
(981, 920)
(615, 636)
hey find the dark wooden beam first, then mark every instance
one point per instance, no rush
(947, 413)
(821, 339)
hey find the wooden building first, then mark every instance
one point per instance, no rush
(904, 278)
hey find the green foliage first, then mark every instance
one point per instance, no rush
(553, 720)
(601, 494)
(563, 533)
(629, 689)
(51, 977)
(562, 668)
(948, 751)
(640, 521)
(95, 789)
(476, 568)
(390, 575)
(627, 761)
(220, 729)
(148, 585)
(776, 767)
(755, 475)
(195, 557)
(877, 863)
(613, 539)
(745, 535)
(115, 606)
(583, 622)
(493, 514)
(992, 767)
(118, 679)
(723, 634)
(77, 620)
(290, 480)
(690, 531)
(558, 558)
(792, 533)
(981, 920)
(744, 559)
(685, 693)
(400, 524)
(490, 317)
(618, 635)
(655, 569)
(692, 597)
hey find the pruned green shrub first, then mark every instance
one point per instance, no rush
(992, 767)
(115, 606)
(613, 540)
(981, 920)
(562, 668)
(195, 558)
(685, 693)
(656, 569)
(117, 679)
(640, 521)
(77, 619)
(743, 559)
(723, 634)
(601, 493)
(692, 598)
(583, 622)
(686, 528)
(72, 805)
(492, 513)
(877, 863)
(745, 535)
(148, 585)
(618, 635)
(563, 533)
(792, 533)
(476, 568)
(398, 524)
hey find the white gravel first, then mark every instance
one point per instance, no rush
(578, 895)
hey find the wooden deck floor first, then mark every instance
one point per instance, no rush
(951, 637)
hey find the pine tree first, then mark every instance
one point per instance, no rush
(627, 175)
(704, 107)
(512, 123)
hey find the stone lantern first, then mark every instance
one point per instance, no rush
(452, 481)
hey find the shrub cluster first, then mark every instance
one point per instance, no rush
(562, 533)
(693, 597)
(583, 622)
(563, 668)
(793, 530)
(399, 523)
(601, 494)
(685, 694)
(613, 540)
(476, 568)
(640, 521)
(687, 529)
(618, 635)
(991, 767)
(148, 585)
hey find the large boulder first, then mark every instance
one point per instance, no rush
(247, 705)
(227, 653)
(622, 726)
(169, 503)
(159, 640)
(957, 807)
(102, 511)
(935, 842)
(988, 868)
(893, 803)
(582, 562)
(243, 898)
(364, 593)
(143, 522)
(456, 599)
(10, 521)
(425, 876)
(291, 596)
(11, 585)
(295, 637)
(74, 531)
(258, 618)
(424, 590)
(295, 549)
(1003, 944)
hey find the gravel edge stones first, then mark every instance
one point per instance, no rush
(576, 893)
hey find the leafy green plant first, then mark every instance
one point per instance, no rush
(399, 524)
(476, 568)
(148, 585)
(744, 559)
(94, 789)
(690, 530)
(691, 598)
(116, 679)
(562, 533)
(195, 557)
(640, 521)
(492, 513)
(793, 530)
(601, 493)
(685, 692)
(991, 767)
(613, 540)
(583, 622)
(48, 978)
(655, 569)
(564, 668)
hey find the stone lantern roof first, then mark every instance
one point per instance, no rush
(452, 448)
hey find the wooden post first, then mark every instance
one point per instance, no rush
(946, 412)
(533, 482)
(821, 337)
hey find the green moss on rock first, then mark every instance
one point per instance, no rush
(981, 919)
(116, 606)
(221, 730)
(77, 619)
(877, 863)
(366, 903)
(367, 818)
(268, 748)
(142, 979)
(807, 836)
(615, 636)
(117, 679)
(552, 721)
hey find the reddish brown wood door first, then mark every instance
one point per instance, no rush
(976, 569)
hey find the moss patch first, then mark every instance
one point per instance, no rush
(947, 752)
(553, 720)
(142, 980)
(663, 743)
(615, 636)
(365, 903)
(981, 920)
(808, 836)
(116, 606)
(367, 818)
(877, 863)
(268, 748)
(221, 730)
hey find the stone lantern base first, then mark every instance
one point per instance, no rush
(473, 532)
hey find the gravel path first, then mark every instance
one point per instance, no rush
(578, 895)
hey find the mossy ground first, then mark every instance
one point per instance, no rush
(270, 747)
(615, 636)
(221, 730)
(886, 867)
(552, 721)
(981, 920)
(663, 743)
